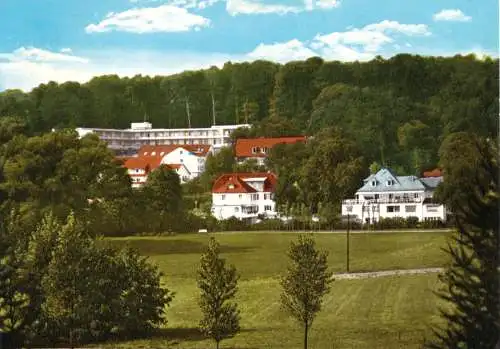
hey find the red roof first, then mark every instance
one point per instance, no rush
(434, 173)
(144, 163)
(244, 146)
(235, 182)
(162, 150)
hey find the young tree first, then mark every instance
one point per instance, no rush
(470, 189)
(306, 282)
(218, 286)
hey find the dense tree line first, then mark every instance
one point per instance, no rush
(398, 110)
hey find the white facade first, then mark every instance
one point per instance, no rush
(385, 195)
(142, 133)
(194, 164)
(254, 200)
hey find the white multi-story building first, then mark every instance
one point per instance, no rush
(142, 133)
(385, 195)
(246, 196)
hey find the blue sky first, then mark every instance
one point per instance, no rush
(62, 40)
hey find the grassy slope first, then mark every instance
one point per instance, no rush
(390, 312)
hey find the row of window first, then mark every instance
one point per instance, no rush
(253, 209)
(253, 197)
(396, 208)
(259, 150)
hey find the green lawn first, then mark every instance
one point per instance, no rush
(388, 312)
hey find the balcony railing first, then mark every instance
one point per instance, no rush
(382, 201)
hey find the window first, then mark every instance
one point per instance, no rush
(267, 196)
(255, 197)
(223, 197)
(240, 196)
(267, 208)
(349, 208)
(391, 209)
(254, 150)
(236, 209)
(153, 153)
(145, 153)
(416, 195)
(374, 183)
(181, 152)
(230, 186)
(410, 208)
(376, 196)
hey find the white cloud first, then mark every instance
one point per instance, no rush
(236, 7)
(282, 52)
(394, 26)
(451, 15)
(32, 54)
(365, 42)
(66, 50)
(327, 4)
(164, 18)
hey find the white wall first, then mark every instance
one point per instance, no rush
(422, 211)
(194, 164)
(225, 206)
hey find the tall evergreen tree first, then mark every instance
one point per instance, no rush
(470, 189)
(218, 286)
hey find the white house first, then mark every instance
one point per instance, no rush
(139, 168)
(246, 196)
(192, 157)
(385, 195)
(143, 133)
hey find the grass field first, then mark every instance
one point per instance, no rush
(387, 312)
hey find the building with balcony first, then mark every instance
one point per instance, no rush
(125, 141)
(258, 148)
(385, 195)
(246, 196)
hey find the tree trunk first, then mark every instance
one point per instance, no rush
(217, 344)
(306, 329)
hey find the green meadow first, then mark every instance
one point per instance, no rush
(385, 312)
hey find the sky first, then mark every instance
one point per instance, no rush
(61, 40)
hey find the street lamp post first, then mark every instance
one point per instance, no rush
(347, 242)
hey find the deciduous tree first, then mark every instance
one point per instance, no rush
(218, 286)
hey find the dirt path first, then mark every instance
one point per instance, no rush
(374, 274)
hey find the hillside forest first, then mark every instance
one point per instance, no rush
(397, 111)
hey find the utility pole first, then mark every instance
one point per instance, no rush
(347, 242)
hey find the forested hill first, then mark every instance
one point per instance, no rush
(393, 108)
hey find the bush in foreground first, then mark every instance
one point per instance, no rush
(81, 290)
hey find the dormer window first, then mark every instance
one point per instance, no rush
(374, 183)
(230, 186)
(153, 153)
(390, 182)
(254, 150)
(145, 153)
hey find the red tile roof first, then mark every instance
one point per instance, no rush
(235, 182)
(244, 146)
(196, 149)
(434, 173)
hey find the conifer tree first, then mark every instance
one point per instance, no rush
(470, 189)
